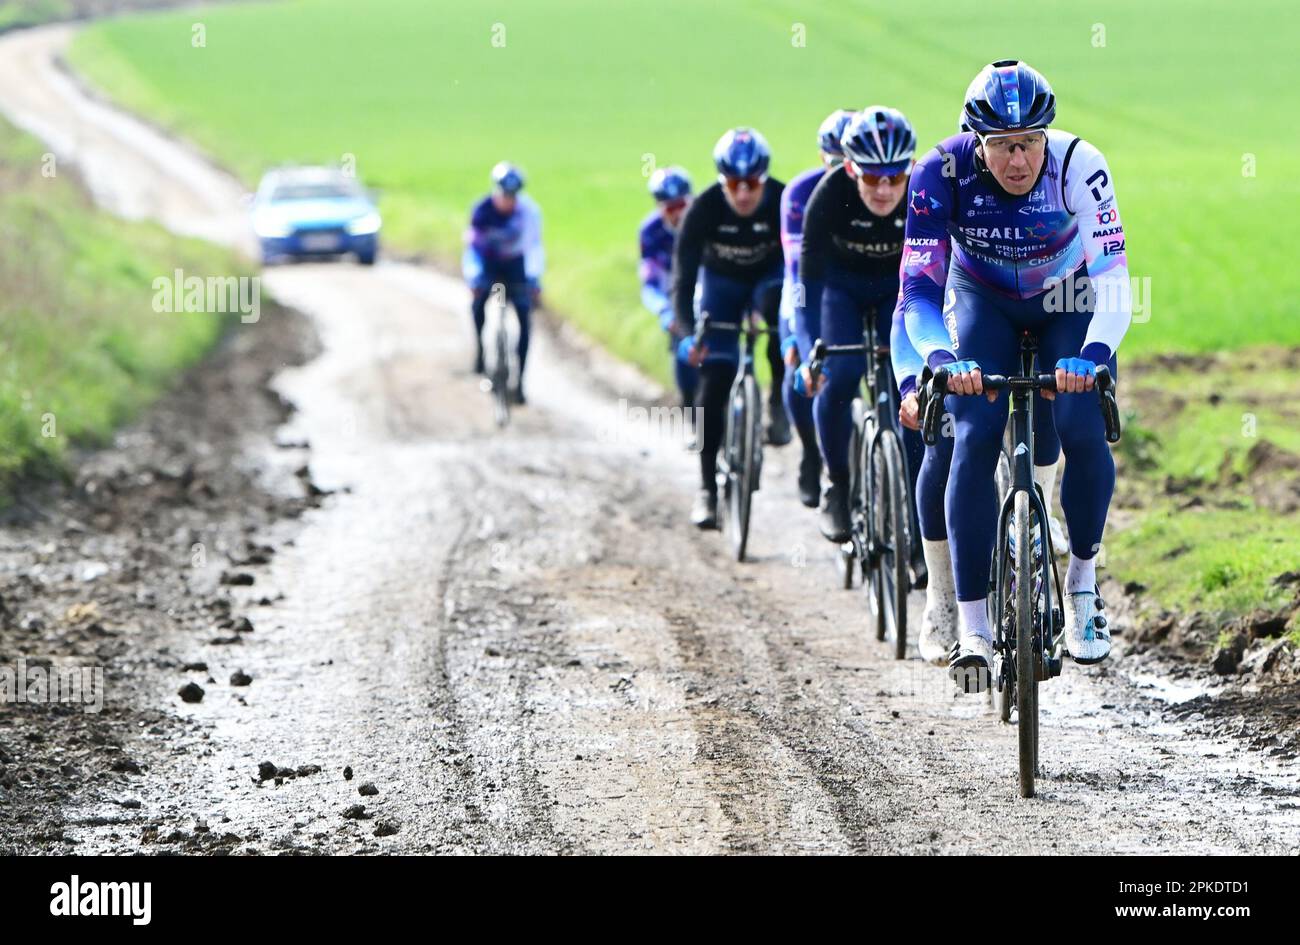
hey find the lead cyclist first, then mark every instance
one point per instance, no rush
(1031, 220)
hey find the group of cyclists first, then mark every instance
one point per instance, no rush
(950, 259)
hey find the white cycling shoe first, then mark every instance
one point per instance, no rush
(1087, 634)
(970, 663)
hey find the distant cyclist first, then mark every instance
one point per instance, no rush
(671, 189)
(730, 242)
(852, 244)
(503, 244)
(1031, 220)
(794, 201)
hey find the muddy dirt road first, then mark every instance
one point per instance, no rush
(517, 640)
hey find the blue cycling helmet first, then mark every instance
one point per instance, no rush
(669, 183)
(742, 152)
(508, 177)
(1008, 95)
(961, 122)
(832, 129)
(879, 140)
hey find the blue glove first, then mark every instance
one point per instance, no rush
(684, 349)
(788, 342)
(1080, 366)
(962, 367)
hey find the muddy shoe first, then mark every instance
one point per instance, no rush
(810, 479)
(704, 513)
(778, 425)
(834, 516)
(1087, 635)
(969, 663)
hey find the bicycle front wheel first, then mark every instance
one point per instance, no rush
(743, 473)
(1026, 670)
(894, 538)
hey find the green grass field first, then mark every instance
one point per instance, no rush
(81, 347)
(582, 91)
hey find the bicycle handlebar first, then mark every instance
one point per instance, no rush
(937, 389)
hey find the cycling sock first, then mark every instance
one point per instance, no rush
(975, 618)
(1081, 575)
(940, 592)
(1045, 476)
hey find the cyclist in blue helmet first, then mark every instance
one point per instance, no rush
(730, 243)
(1031, 222)
(671, 189)
(503, 244)
(794, 201)
(852, 245)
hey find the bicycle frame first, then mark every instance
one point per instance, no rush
(1047, 645)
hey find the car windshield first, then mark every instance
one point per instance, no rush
(319, 191)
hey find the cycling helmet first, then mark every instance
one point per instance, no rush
(832, 129)
(961, 122)
(508, 177)
(1008, 95)
(879, 140)
(742, 152)
(669, 183)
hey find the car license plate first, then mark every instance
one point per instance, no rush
(320, 242)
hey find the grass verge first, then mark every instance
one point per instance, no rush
(81, 346)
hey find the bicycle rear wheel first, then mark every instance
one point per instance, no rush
(1026, 669)
(894, 540)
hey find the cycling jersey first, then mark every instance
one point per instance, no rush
(843, 235)
(745, 249)
(794, 200)
(1016, 246)
(494, 239)
(657, 267)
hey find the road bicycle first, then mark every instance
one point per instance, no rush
(740, 466)
(1027, 617)
(880, 493)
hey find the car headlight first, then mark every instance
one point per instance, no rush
(271, 228)
(364, 224)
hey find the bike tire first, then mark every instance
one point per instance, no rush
(742, 485)
(871, 578)
(500, 376)
(1026, 671)
(895, 580)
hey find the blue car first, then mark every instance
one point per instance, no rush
(314, 212)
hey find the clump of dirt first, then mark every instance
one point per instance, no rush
(118, 577)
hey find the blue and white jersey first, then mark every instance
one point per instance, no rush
(657, 240)
(494, 237)
(794, 201)
(1019, 246)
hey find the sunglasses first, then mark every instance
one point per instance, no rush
(672, 206)
(753, 182)
(874, 180)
